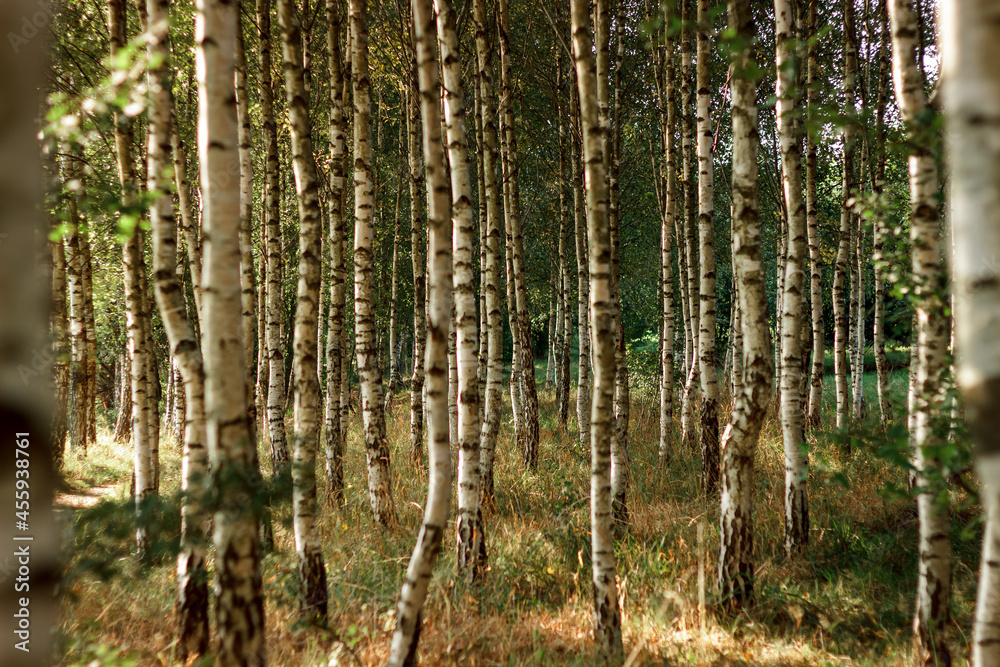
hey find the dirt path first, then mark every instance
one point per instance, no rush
(81, 499)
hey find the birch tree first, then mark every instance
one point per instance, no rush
(812, 230)
(240, 604)
(144, 421)
(312, 572)
(272, 221)
(841, 316)
(607, 617)
(787, 95)
(428, 545)
(933, 613)
(192, 573)
(739, 440)
(494, 318)
(335, 353)
(970, 46)
(527, 357)
(709, 432)
(469, 527)
(366, 342)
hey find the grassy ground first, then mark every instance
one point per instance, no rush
(850, 601)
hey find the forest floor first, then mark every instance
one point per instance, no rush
(848, 601)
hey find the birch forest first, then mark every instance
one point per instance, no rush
(487, 332)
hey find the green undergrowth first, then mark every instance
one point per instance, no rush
(848, 600)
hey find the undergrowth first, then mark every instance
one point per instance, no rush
(848, 601)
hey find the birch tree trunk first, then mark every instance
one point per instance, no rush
(841, 316)
(428, 545)
(933, 614)
(143, 419)
(366, 340)
(272, 212)
(248, 280)
(583, 396)
(970, 44)
(335, 356)
(192, 573)
(709, 431)
(564, 344)
(312, 595)
(620, 466)
(469, 527)
(739, 440)
(59, 327)
(878, 333)
(530, 453)
(793, 437)
(814, 412)
(240, 604)
(607, 617)
(667, 222)
(73, 274)
(494, 318)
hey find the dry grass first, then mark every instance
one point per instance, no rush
(848, 602)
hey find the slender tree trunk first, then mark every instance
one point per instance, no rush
(417, 246)
(77, 320)
(796, 462)
(583, 396)
(706, 234)
(841, 316)
(90, 346)
(970, 42)
(607, 617)
(366, 343)
(428, 544)
(61, 353)
(192, 573)
(248, 280)
(564, 343)
(240, 605)
(620, 467)
(494, 318)
(335, 356)
(814, 413)
(143, 421)
(687, 240)
(933, 613)
(668, 215)
(739, 441)
(312, 595)
(469, 526)
(275, 284)
(189, 229)
(878, 334)
(530, 451)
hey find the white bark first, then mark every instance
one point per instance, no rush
(312, 596)
(709, 431)
(240, 604)
(366, 343)
(428, 545)
(739, 440)
(796, 504)
(192, 585)
(607, 617)
(970, 45)
(933, 613)
(469, 526)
